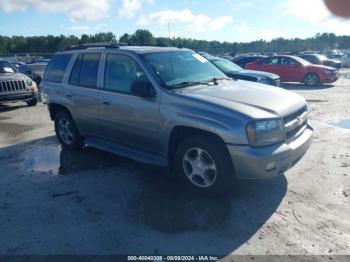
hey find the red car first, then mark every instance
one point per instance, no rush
(296, 69)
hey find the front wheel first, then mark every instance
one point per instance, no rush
(312, 79)
(66, 131)
(205, 165)
(32, 102)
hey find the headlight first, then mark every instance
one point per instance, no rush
(327, 72)
(29, 82)
(264, 81)
(265, 132)
(34, 86)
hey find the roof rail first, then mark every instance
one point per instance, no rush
(93, 45)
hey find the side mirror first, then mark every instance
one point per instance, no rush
(142, 89)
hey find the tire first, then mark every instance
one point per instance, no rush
(216, 164)
(67, 132)
(311, 79)
(32, 102)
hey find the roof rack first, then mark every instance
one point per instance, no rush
(94, 45)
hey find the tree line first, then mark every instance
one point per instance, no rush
(52, 44)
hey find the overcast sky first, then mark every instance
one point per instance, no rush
(222, 20)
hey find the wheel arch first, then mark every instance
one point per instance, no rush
(182, 132)
(54, 108)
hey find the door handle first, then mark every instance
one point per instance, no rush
(69, 95)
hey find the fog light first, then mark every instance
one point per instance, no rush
(270, 166)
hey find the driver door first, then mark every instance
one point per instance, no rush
(291, 70)
(126, 118)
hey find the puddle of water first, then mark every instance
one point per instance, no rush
(58, 161)
(43, 159)
(343, 124)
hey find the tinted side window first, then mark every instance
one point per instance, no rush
(75, 74)
(288, 61)
(314, 60)
(85, 70)
(56, 68)
(121, 72)
(271, 61)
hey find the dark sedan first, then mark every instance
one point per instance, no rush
(242, 61)
(236, 72)
(321, 60)
(34, 70)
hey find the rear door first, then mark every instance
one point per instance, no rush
(83, 93)
(126, 118)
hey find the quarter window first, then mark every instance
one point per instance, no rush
(121, 72)
(85, 70)
(57, 67)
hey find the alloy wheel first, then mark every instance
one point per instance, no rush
(199, 167)
(65, 131)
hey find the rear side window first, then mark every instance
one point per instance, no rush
(85, 70)
(57, 67)
(271, 61)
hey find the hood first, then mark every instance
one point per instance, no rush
(256, 74)
(317, 67)
(249, 98)
(335, 61)
(13, 76)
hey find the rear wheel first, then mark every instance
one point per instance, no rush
(311, 79)
(205, 165)
(32, 102)
(67, 132)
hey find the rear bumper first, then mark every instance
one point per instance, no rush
(18, 96)
(256, 163)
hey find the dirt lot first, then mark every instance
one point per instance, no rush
(58, 202)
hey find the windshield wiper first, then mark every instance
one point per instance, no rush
(215, 79)
(189, 83)
(192, 83)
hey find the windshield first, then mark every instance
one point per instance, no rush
(176, 67)
(6, 67)
(226, 66)
(322, 57)
(301, 60)
(38, 69)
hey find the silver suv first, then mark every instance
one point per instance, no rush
(171, 107)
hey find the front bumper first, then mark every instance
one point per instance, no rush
(18, 96)
(329, 78)
(255, 163)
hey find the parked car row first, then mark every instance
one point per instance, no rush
(273, 70)
(311, 56)
(236, 72)
(296, 69)
(172, 107)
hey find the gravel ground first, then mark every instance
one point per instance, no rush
(89, 202)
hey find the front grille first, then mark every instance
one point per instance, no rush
(295, 124)
(12, 86)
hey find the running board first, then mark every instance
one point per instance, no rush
(121, 150)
